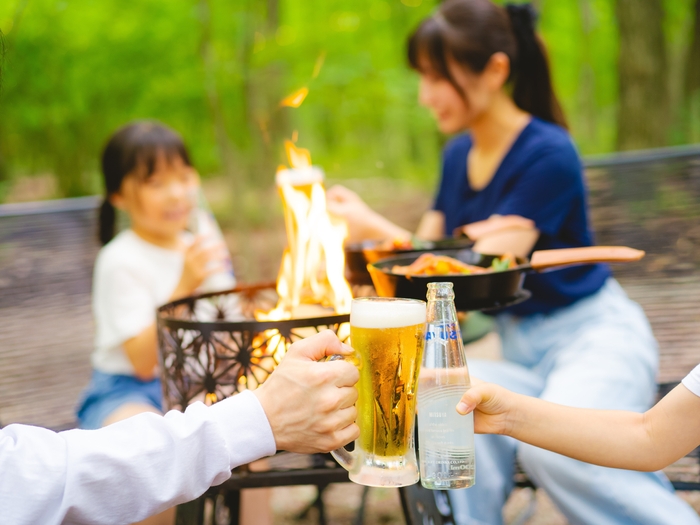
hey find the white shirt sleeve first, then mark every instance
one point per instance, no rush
(692, 381)
(129, 470)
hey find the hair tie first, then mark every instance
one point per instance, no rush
(522, 16)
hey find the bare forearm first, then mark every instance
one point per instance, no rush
(431, 226)
(603, 437)
(612, 438)
(518, 242)
(183, 289)
(377, 227)
(142, 351)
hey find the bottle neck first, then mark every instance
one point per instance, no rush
(441, 310)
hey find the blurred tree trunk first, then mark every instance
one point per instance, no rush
(586, 92)
(277, 124)
(692, 81)
(273, 14)
(223, 141)
(643, 75)
(264, 93)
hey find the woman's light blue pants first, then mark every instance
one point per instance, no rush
(597, 353)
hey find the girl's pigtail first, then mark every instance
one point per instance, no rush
(532, 89)
(107, 219)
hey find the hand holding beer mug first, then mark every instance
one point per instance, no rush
(387, 335)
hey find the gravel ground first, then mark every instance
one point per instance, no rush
(384, 506)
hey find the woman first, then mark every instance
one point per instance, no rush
(579, 340)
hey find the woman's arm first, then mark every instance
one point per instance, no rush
(519, 242)
(363, 222)
(497, 235)
(431, 226)
(502, 234)
(611, 438)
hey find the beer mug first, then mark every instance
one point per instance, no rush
(387, 336)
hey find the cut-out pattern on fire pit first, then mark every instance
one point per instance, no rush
(212, 348)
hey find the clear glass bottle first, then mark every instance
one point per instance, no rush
(203, 222)
(445, 438)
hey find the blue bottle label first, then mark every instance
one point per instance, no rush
(442, 332)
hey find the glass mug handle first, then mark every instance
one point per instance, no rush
(343, 456)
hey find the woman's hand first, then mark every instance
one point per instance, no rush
(495, 224)
(363, 222)
(493, 408)
(503, 234)
(349, 206)
(202, 259)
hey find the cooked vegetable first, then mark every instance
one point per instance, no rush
(403, 244)
(431, 264)
(504, 262)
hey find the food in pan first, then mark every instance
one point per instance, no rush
(401, 243)
(431, 264)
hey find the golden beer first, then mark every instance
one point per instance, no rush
(387, 335)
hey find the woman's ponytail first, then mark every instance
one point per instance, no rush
(107, 221)
(532, 82)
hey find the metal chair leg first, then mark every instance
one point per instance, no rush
(360, 516)
(190, 513)
(421, 506)
(317, 504)
(232, 500)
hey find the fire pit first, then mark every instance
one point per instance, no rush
(211, 346)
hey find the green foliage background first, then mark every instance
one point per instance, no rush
(216, 69)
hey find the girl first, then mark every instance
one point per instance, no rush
(148, 175)
(579, 340)
(613, 438)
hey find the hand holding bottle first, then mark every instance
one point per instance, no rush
(202, 260)
(204, 225)
(445, 439)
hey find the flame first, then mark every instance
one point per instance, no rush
(313, 264)
(299, 158)
(295, 99)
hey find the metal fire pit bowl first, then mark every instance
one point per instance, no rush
(211, 347)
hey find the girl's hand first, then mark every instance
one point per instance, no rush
(202, 259)
(493, 408)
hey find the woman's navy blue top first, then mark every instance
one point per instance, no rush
(540, 178)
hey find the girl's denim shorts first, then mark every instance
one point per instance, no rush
(107, 392)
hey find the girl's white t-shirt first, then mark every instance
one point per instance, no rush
(692, 381)
(132, 279)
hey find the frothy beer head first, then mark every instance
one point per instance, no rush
(386, 313)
